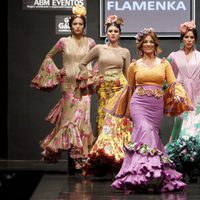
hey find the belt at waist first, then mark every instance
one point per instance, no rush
(157, 93)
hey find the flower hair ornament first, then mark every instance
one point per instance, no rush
(139, 36)
(186, 26)
(114, 19)
(79, 10)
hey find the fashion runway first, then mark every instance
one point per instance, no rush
(39, 181)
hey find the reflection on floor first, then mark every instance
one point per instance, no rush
(38, 181)
(63, 187)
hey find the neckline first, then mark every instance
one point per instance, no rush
(110, 47)
(190, 57)
(144, 65)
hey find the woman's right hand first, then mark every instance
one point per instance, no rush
(61, 73)
(101, 80)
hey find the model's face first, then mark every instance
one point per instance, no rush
(148, 45)
(189, 40)
(77, 26)
(113, 34)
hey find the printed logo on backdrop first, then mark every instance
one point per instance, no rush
(62, 25)
(162, 15)
(51, 4)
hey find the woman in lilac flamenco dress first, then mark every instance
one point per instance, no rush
(146, 166)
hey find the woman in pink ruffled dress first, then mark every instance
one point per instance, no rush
(71, 116)
(184, 144)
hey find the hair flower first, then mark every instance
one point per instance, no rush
(186, 26)
(114, 19)
(142, 33)
(79, 10)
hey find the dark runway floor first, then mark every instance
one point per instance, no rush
(18, 184)
(39, 181)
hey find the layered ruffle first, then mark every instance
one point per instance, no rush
(55, 113)
(146, 167)
(119, 105)
(62, 139)
(66, 138)
(72, 129)
(184, 145)
(46, 77)
(107, 154)
(185, 151)
(176, 100)
(87, 82)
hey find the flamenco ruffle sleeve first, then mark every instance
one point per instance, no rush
(120, 103)
(87, 82)
(46, 77)
(176, 100)
(172, 106)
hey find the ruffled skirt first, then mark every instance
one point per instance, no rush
(184, 145)
(72, 129)
(146, 163)
(107, 153)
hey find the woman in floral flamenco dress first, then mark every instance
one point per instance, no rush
(107, 153)
(71, 116)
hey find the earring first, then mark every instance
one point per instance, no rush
(106, 41)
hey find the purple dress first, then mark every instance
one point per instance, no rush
(146, 163)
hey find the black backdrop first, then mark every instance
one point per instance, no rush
(31, 34)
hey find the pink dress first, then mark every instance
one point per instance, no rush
(184, 144)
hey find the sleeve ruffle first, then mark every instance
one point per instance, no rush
(47, 76)
(119, 104)
(173, 108)
(87, 82)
